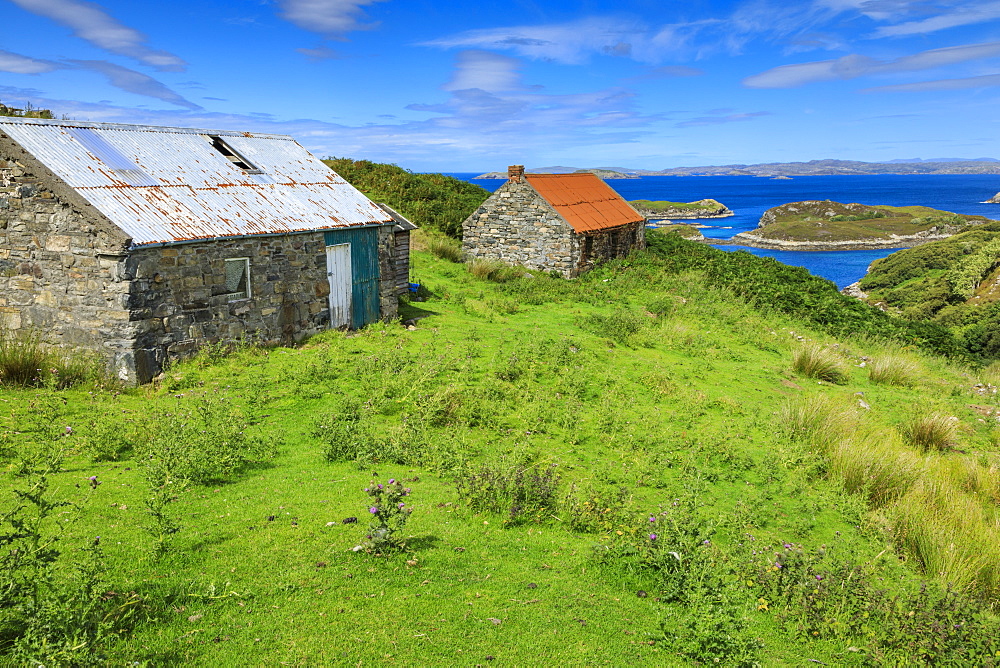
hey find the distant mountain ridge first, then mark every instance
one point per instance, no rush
(824, 167)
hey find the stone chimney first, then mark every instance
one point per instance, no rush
(515, 173)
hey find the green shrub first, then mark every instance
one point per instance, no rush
(821, 363)
(26, 362)
(621, 326)
(519, 493)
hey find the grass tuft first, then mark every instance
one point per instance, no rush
(821, 363)
(818, 421)
(893, 370)
(444, 247)
(493, 270)
(935, 431)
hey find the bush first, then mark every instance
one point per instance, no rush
(520, 493)
(389, 514)
(821, 363)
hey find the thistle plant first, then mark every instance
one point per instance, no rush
(389, 514)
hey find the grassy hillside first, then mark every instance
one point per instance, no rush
(954, 282)
(432, 201)
(833, 221)
(669, 460)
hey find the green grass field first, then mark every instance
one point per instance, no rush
(622, 468)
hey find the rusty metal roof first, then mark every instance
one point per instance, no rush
(163, 185)
(585, 201)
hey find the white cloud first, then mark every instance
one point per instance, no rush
(485, 71)
(720, 117)
(134, 82)
(90, 22)
(332, 18)
(985, 81)
(975, 12)
(320, 53)
(853, 66)
(18, 64)
(570, 43)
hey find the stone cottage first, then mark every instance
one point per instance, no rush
(553, 222)
(144, 243)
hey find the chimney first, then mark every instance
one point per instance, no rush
(515, 173)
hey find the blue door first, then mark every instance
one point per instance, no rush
(365, 275)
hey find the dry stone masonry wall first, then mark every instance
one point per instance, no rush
(516, 226)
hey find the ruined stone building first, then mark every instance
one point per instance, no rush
(553, 222)
(144, 243)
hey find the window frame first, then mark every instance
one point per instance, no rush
(238, 296)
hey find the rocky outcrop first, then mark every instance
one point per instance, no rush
(893, 241)
(993, 200)
(705, 208)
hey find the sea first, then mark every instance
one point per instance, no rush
(748, 197)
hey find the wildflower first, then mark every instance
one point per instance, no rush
(380, 485)
(819, 577)
(94, 482)
(706, 542)
(406, 491)
(777, 565)
(652, 519)
(788, 546)
(652, 536)
(373, 510)
(367, 489)
(69, 430)
(392, 481)
(401, 505)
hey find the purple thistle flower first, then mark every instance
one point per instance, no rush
(406, 491)
(94, 482)
(69, 430)
(652, 536)
(373, 510)
(392, 481)
(367, 489)
(819, 577)
(401, 506)
(706, 542)
(380, 485)
(652, 519)
(777, 564)
(788, 546)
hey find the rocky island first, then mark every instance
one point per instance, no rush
(826, 225)
(659, 210)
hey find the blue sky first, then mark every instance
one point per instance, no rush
(463, 86)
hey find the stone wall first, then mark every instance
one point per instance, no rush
(58, 266)
(66, 273)
(516, 226)
(610, 244)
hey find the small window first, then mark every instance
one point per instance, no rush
(231, 154)
(238, 278)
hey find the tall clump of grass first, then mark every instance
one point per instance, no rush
(875, 466)
(950, 534)
(444, 247)
(493, 270)
(22, 358)
(818, 421)
(934, 431)
(821, 363)
(893, 370)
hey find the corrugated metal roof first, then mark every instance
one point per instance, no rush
(162, 185)
(585, 201)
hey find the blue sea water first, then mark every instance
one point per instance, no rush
(748, 197)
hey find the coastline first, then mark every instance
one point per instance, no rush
(905, 241)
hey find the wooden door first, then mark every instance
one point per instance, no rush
(338, 271)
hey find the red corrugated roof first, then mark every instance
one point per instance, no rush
(585, 201)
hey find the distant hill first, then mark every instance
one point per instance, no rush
(789, 169)
(598, 171)
(834, 167)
